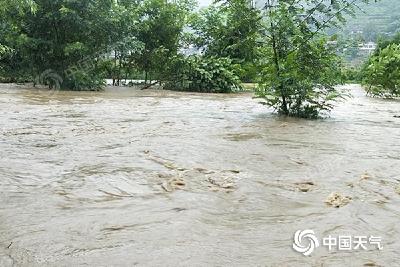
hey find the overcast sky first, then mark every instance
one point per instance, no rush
(203, 3)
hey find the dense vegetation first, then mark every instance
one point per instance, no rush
(300, 70)
(204, 74)
(74, 39)
(74, 44)
(381, 73)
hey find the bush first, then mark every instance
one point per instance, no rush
(351, 75)
(382, 72)
(304, 84)
(204, 74)
(84, 80)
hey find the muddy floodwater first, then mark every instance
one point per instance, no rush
(156, 178)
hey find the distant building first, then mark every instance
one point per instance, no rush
(367, 48)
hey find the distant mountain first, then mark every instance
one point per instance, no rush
(376, 19)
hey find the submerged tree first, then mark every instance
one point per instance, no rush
(300, 70)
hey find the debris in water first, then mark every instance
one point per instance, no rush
(9, 246)
(167, 187)
(381, 201)
(337, 200)
(397, 116)
(170, 166)
(173, 184)
(178, 182)
(370, 264)
(179, 209)
(223, 183)
(305, 186)
(300, 162)
(365, 176)
(113, 228)
(204, 171)
(167, 164)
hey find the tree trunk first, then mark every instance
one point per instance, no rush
(115, 67)
(284, 108)
(119, 69)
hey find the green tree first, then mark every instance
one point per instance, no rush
(385, 42)
(301, 71)
(8, 62)
(123, 27)
(160, 30)
(66, 37)
(382, 72)
(230, 29)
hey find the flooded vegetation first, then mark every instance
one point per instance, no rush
(158, 178)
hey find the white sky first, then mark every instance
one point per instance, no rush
(203, 3)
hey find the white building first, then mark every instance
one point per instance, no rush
(367, 48)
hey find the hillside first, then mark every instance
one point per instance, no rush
(376, 19)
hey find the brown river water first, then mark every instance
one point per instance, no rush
(158, 178)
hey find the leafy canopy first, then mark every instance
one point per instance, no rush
(300, 70)
(382, 72)
(204, 74)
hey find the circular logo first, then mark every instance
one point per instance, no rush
(305, 242)
(50, 78)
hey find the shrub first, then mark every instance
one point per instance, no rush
(204, 74)
(89, 80)
(351, 75)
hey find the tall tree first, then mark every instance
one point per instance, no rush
(230, 29)
(65, 35)
(8, 9)
(301, 71)
(161, 26)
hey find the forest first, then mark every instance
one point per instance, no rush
(282, 49)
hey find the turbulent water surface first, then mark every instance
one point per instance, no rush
(152, 178)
